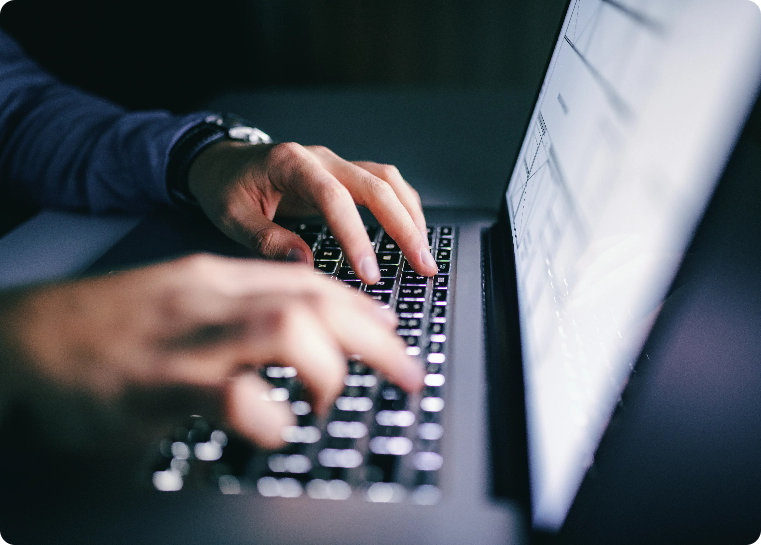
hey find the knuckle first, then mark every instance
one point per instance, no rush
(200, 264)
(380, 188)
(328, 190)
(389, 172)
(265, 240)
(286, 152)
(320, 150)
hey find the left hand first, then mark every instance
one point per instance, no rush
(241, 187)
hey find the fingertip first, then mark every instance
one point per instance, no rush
(428, 262)
(368, 269)
(412, 376)
(255, 415)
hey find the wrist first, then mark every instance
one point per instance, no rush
(192, 145)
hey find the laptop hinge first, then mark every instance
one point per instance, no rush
(507, 412)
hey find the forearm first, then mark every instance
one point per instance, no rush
(63, 148)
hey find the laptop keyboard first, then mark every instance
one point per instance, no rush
(378, 442)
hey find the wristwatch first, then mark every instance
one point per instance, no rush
(212, 129)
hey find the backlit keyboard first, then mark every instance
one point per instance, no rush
(379, 442)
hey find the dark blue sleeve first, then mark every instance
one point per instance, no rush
(63, 148)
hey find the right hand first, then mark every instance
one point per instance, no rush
(141, 350)
(241, 187)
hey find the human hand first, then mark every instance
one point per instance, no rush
(133, 352)
(240, 187)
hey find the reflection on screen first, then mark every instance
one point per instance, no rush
(637, 115)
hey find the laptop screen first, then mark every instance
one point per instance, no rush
(639, 110)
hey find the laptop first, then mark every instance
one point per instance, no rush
(531, 331)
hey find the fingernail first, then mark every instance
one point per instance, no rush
(296, 255)
(427, 258)
(368, 269)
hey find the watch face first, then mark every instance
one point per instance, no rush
(249, 134)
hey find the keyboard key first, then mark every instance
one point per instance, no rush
(383, 298)
(431, 404)
(413, 293)
(334, 489)
(446, 231)
(413, 279)
(289, 463)
(401, 419)
(436, 328)
(428, 461)
(430, 431)
(436, 358)
(439, 297)
(360, 381)
(395, 446)
(297, 434)
(443, 255)
(387, 245)
(388, 271)
(346, 458)
(329, 242)
(331, 254)
(327, 267)
(445, 243)
(412, 340)
(346, 273)
(439, 314)
(433, 368)
(393, 398)
(444, 267)
(407, 267)
(372, 231)
(352, 284)
(409, 323)
(358, 368)
(403, 308)
(384, 284)
(393, 258)
(435, 348)
(346, 430)
(441, 281)
(434, 380)
(358, 404)
(404, 332)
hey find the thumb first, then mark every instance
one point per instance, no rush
(271, 240)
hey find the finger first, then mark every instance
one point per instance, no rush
(409, 198)
(358, 333)
(270, 240)
(288, 333)
(380, 198)
(252, 413)
(302, 173)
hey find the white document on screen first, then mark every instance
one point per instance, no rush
(638, 113)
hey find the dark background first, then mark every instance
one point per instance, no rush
(175, 54)
(178, 54)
